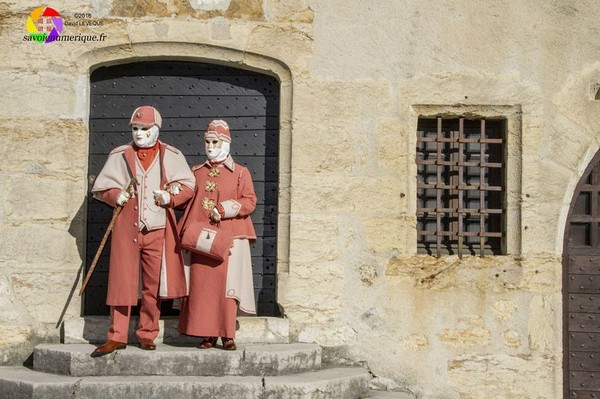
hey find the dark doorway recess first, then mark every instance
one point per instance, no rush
(189, 95)
(581, 288)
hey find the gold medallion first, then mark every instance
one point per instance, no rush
(208, 203)
(214, 172)
(210, 186)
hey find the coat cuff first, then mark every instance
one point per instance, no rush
(231, 208)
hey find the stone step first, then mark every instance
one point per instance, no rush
(92, 329)
(22, 383)
(374, 394)
(248, 359)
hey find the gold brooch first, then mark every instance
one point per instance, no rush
(214, 172)
(208, 203)
(210, 186)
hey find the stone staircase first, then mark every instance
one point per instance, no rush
(265, 365)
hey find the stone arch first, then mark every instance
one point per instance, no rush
(570, 191)
(192, 52)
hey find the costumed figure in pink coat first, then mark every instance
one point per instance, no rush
(144, 258)
(224, 197)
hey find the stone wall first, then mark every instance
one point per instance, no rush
(355, 77)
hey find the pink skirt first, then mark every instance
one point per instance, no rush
(211, 308)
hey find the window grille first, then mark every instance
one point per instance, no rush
(461, 186)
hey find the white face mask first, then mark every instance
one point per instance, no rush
(143, 136)
(216, 149)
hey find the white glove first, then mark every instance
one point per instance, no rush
(215, 216)
(162, 197)
(123, 197)
(174, 188)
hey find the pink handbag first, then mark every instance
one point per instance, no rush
(208, 240)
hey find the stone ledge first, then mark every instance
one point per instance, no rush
(22, 383)
(248, 360)
(92, 329)
(374, 394)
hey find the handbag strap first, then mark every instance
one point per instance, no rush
(188, 207)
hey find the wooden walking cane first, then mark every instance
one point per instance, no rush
(116, 212)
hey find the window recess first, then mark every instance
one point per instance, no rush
(461, 182)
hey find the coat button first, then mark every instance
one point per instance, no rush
(135, 207)
(135, 240)
(135, 224)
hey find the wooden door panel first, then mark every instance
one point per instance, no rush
(581, 289)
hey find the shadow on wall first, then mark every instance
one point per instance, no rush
(76, 230)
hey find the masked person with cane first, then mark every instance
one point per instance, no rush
(223, 201)
(145, 233)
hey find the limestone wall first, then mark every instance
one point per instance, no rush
(355, 76)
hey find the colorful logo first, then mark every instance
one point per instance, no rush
(44, 25)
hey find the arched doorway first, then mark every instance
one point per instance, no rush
(189, 95)
(581, 288)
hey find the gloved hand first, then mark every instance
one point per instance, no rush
(174, 188)
(123, 197)
(162, 197)
(215, 216)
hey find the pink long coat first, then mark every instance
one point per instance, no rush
(123, 275)
(210, 309)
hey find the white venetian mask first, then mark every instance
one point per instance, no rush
(144, 136)
(216, 149)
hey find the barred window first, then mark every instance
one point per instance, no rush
(461, 179)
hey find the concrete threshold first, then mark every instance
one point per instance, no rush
(92, 329)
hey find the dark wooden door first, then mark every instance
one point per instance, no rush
(189, 95)
(581, 289)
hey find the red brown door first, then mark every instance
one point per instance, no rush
(581, 289)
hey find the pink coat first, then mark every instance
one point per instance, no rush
(123, 276)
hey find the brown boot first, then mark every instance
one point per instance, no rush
(147, 344)
(228, 344)
(109, 347)
(208, 342)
